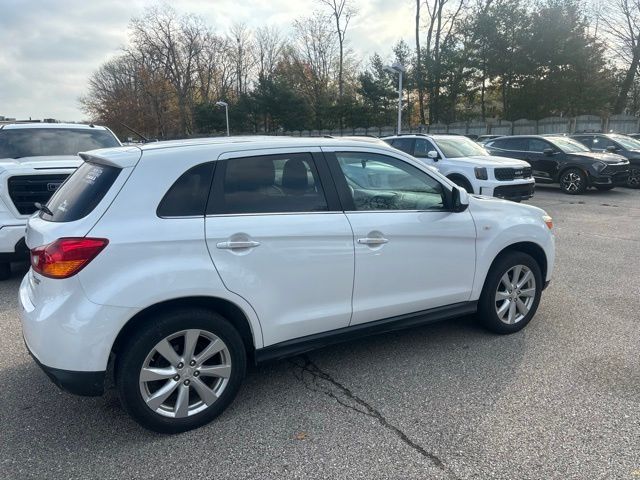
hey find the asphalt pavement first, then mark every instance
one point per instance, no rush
(558, 400)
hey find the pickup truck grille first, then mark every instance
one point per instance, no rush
(25, 190)
(505, 174)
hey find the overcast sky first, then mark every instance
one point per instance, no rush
(48, 48)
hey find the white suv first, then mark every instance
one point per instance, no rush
(35, 158)
(469, 165)
(181, 261)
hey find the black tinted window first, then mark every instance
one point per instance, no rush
(268, 184)
(538, 146)
(80, 194)
(423, 147)
(520, 144)
(585, 140)
(37, 142)
(188, 195)
(404, 144)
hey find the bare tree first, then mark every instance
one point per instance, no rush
(243, 56)
(342, 12)
(269, 46)
(419, 74)
(621, 19)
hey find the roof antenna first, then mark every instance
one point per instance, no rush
(146, 140)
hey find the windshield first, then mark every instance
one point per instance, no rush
(627, 142)
(568, 145)
(460, 147)
(38, 142)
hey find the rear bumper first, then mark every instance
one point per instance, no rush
(87, 384)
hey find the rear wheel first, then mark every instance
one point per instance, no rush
(573, 181)
(511, 293)
(181, 371)
(5, 271)
(634, 178)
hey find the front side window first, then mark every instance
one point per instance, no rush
(423, 147)
(379, 182)
(37, 142)
(538, 146)
(267, 184)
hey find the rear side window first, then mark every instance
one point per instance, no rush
(517, 144)
(188, 196)
(404, 144)
(423, 147)
(267, 184)
(81, 193)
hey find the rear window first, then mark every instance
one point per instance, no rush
(38, 142)
(81, 193)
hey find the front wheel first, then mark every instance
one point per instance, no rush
(462, 182)
(634, 178)
(573, 181)
(511, 293)
(181, 370)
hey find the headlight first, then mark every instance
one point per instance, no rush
(599, 166)
(481, 173)
(548, 221)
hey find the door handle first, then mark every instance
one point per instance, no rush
(237, 244)
(372, 241)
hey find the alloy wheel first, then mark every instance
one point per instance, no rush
(571, 182)
(634, 178)
(515, 294)
(185, 373)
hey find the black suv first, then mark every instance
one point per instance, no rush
(623, 145)
(560, 159)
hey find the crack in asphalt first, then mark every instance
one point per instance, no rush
(318, 375)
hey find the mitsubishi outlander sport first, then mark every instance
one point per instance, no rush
(174, 264)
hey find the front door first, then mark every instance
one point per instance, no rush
(278, 238)
(411, 253)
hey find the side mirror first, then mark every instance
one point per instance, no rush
(459, 199)
(548, 151)
(432, 154)
(611, 149)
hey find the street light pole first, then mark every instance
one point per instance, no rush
(399, 69)
(226, 111)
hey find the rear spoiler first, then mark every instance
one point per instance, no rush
(115, 157)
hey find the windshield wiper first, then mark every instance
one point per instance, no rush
(43, 208)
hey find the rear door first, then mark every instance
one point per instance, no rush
(411, 252)
(544, 165)
(278, 237)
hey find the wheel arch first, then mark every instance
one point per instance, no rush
(530, 248)
(571, 166)
(232, 312)
(460, 176)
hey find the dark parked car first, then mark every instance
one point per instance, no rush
(635, 135)
(560, 159)
(485, 138)
(623, 145)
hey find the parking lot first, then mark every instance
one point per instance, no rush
(559, 399)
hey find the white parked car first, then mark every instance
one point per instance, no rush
(469, 165)
(181, 261)
(35, 158)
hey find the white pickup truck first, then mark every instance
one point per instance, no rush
(35, 158)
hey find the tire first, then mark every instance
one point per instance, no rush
(605, 188)
(5, 271)
(489, 304)
(170, 333)
(573, 181)
(634, 178)
(462, 182)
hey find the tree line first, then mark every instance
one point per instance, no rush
(470, 59)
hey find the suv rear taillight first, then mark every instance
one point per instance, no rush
(66, 256)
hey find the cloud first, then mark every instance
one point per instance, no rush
(48, 49)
